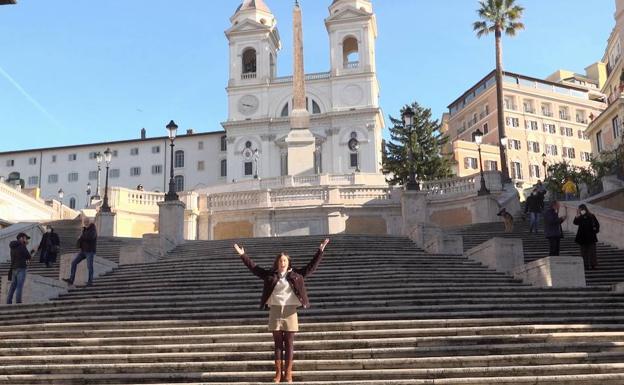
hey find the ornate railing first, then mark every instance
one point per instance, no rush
(308, 77)
(462, 185)
(351, 65)
(248, 75)
(302, 196)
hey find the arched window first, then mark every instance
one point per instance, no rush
(316, 109)
(179, 182)
(72, 203)
(179, 159)
(351, 53)
(284, 113)
(249, 62)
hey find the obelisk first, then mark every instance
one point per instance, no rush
(300, 141)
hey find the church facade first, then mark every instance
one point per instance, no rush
(345, 117)
(345, 120)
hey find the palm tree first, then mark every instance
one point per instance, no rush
(498, 16)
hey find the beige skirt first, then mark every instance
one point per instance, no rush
(283, 318)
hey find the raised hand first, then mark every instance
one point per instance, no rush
(239, 249)
(323, 244)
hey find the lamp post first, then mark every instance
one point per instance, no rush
(408, 122)
(88, 194)
(478, 136)
(171, 194)
(544, 163)
(98, 158)
(61, 194)
(108, 155)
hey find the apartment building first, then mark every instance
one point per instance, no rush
(200, 160)
(605, 131)
(545, 122)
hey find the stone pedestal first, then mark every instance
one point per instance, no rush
(37, 289)
(105, 224)
(101, 266)
(301, 145)
(170, 224)
(444, 244)
(147, 252)
(336, 223)
(500, 254)
(414, 210)
(485, 209)
(553, 272)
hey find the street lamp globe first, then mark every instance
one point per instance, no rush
(504, 141)
(478, 137)
(89, 188)
(108, 155)
(173, 130)
(99, 157)
(61, 194)
(408, 117)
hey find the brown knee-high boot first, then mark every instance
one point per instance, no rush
(278, 371)
(289, 371)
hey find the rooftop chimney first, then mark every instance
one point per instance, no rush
(143, 134)
(189, 131)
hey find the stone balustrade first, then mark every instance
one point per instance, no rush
(462, 185)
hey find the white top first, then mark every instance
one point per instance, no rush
(283, 294)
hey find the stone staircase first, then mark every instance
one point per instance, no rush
(610, 259)
(69, 231)
(383, 312)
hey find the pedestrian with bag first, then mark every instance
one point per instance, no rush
(20, 259)
(284, 291)
(49, 247)
(87, 243)
(552, 228)
(588, 227)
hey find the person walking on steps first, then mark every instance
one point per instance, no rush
(534, 206)
(569, 189)
(588, 227)
(284, 291)
(49, 247)
(20, 259)
(87, 243)
(552, 228)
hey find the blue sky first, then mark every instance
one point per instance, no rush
(81, 71)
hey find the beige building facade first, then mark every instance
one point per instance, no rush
(606, 132)
(545, 121)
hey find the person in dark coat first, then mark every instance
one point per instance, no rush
(284, 290)
(88, 245)
(534, 206)
(552, 228)
(588, 227)
(49, 247)
(20, 258)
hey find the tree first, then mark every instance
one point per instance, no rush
(424, 140)
(498, 16)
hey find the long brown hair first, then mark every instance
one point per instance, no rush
(277, 259)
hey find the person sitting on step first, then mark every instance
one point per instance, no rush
(284, 291)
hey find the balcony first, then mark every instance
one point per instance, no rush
(512, 107)
(564, 116)
(351, 65)
(529, 110)
(248, 75)
(547, 113)
(581, 119)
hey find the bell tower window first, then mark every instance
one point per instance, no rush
(249, 63)
(351, 53)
